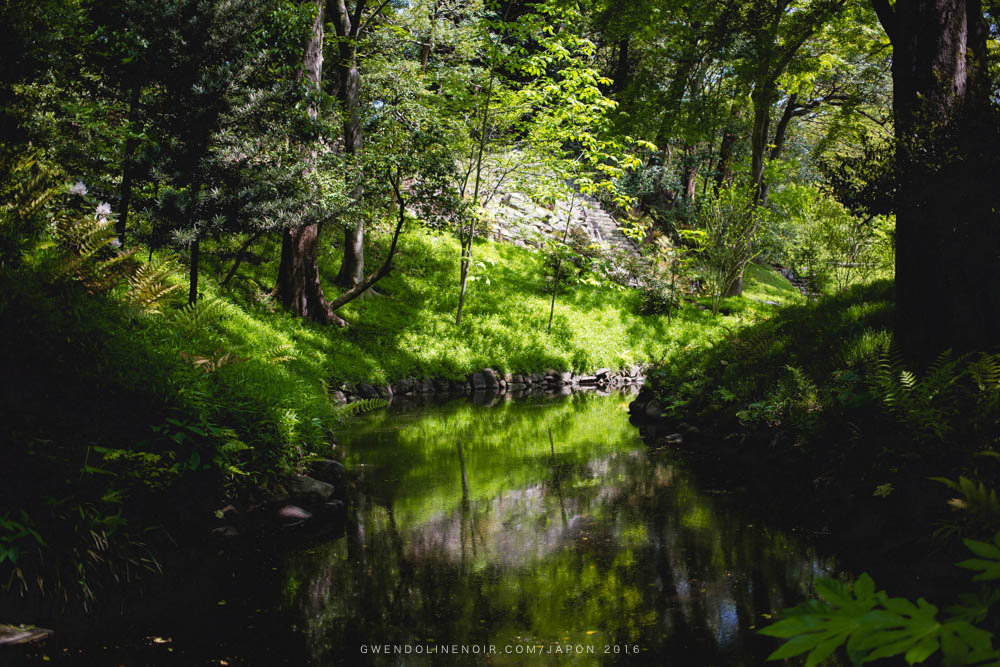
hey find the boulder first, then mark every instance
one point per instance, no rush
(329, 471)
(478, 382)
(309, 490)
(566, 377)
(492, 382)
(292, 515)
(365, 390)
(338, 396)
(653, 408)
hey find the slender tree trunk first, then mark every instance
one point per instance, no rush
(352, 267)
(131, 144)
(555, 281)
(947, 226)
(193, 272)
(298, 286)
(240, 255)
(724, 170)
(761, 98)
(467, 242)
(778, 145)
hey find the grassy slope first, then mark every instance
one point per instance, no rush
(410, 331)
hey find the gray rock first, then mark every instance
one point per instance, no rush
(365, 390)
(427, 386)
(309, 490)
(586, 379)
(329, 471)
(602, 372)
(226, 531)
(338, 396)
(478, 382)
(21, 634)
(516, 386)
(292, 515)
(673, 439)
(653, 408)
(490, 376)
(566, 377)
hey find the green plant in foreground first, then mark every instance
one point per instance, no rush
(872, 626)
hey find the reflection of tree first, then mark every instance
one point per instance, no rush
(541, 545)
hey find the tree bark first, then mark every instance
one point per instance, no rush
(299, 289)
(298, 286)
(947, 226)
(352, 267)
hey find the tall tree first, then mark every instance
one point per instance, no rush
(947, 225)
(348, 85)
(298, 286)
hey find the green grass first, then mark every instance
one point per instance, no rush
(409, 329)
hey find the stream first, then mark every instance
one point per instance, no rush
(532, 531)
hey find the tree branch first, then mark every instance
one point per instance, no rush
(887, 17)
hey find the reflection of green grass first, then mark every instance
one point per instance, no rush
(504, 448)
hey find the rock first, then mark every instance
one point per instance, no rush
(508, 378)
(516, 386)
(338, 396)
(331, 472)
(292, 515)
(478, 382)
(600, 372)
(653, 408)
(458, 387)
(492, 382)
(517, 378)
(427, 386)
(673, 439)
(309, 490)
(586, 379)
(441, 386)
(385, 392)
(21, 634)
(403, 386)
(566, 377)
(365, 390)
(226, 531)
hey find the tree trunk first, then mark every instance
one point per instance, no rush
(947, 228)
(724, 170)
(193, 272)
(299, 289)
(131, 144)
(298, 286)
(352, 267)
(778, 144)
(761, 98)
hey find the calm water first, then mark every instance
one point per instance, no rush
(537, 531)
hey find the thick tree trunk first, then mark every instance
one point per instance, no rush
(352, 267)
(947, 227)
(298, 286)
(780, 132)
(299, 289)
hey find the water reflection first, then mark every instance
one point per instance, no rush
(544, 531)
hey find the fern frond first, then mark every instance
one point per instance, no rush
(150, 284)
(357, 407)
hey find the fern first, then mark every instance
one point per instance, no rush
(357, 407)
(151, 284)
(196, 316)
